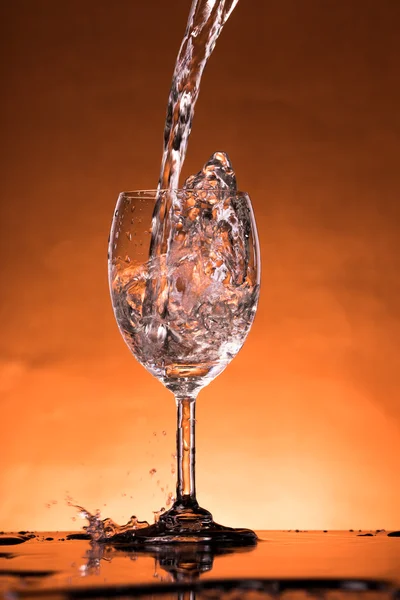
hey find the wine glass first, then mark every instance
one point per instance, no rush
(184, 307)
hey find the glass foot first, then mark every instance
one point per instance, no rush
(185, 524)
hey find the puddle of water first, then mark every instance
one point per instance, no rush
(338, 564)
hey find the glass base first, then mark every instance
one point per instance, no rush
(186, 524)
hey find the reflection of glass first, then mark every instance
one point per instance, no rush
(185, 313)
(185, 563)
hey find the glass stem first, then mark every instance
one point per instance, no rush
(186, 451)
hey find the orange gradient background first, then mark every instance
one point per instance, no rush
(303, 428)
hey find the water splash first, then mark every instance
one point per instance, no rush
(207, 282)
(101, 530)
(205, 23)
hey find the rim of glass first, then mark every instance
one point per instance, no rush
(153, 192)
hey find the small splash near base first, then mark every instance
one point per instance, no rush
(102, 530)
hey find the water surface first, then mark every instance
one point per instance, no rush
(289, 564)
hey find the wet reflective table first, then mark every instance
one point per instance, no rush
(291, 564)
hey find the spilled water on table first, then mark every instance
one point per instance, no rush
(333, 565)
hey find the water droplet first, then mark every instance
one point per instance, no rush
(11, 540)
(157, 514)
(127, 259)
(170, 499)
(164, 433)
(129, 235)
(152, 471)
